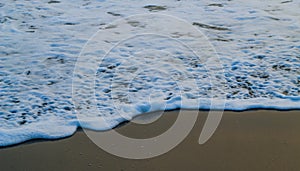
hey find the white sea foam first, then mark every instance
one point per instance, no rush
(257, 42)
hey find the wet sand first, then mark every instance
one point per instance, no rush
(250, 140)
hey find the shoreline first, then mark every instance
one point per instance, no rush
(141, 115)
(248, 140)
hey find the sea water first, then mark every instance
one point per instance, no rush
(257, 43)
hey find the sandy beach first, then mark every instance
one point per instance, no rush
(250, 140)
(66, 67)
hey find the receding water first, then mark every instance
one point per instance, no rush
(258, 43)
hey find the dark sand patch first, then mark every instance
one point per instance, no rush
(155, 8)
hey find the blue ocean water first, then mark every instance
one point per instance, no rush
(258, 44)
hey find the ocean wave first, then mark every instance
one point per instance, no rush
(257, 44)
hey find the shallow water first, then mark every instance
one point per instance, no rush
(258, 44)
